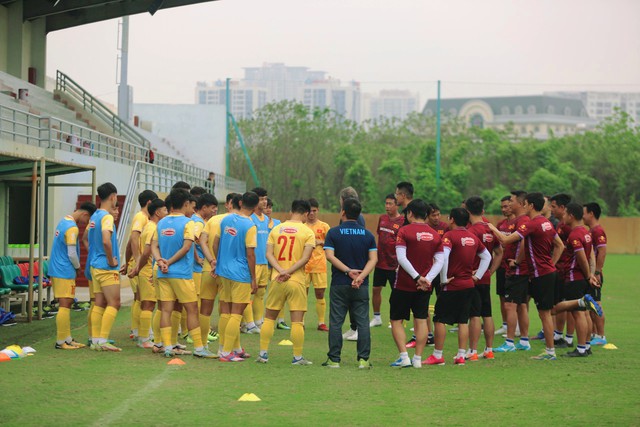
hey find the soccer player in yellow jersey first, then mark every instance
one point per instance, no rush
(132, 253)
(64, 264)
(288, 249)
(143, 270)
(255, 318)
(316, 268)
(210, 285)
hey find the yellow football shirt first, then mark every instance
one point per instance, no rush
(210, 227)
(318, 261)
(140, 220)
(147, 235)
(289, 240)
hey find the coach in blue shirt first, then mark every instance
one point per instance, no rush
(351, 250)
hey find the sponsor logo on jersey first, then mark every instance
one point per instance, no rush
(467, 241)
(231, 231)
(92, 224)
(547, 226)
(57, 233)
(487, 237)
(288, 230)
(396, 226)
(168, 232)
(424, 236)
(387, 230)
(587, 238)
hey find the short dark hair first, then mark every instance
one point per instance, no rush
(475, 205)
(167, 201)
(594, 208)
(250, 200)
(90, 208)
(261, 192)
(193, 198)
(300, 206)
(418, 208)
(575, 209)
(536, 199)
(506, 199)
(433, 207)
(520, 195)
(181, 184)
(198, 191)
(145, 197)
(460, 216)
(390, 196)
(351, 208)
(106, 190)
(155, 205)
(561, 199)
(229, 197)
(235, 200)
(312, 202)
(206, 200)
(269, 202)
(406, 188)
(179, 196)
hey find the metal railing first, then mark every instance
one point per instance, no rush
(93, 105)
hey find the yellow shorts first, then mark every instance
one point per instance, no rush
(293, 293)
(197, 279)
(155, 283)
(147, 288)
(183, 290)
(210, 286)
(319, 280)
(263, 273)
(102, 278)
(235, 292)
(63, 288)
(134, 284)
(92, 294)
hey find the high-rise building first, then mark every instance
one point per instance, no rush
(600, 105)
(277, 82)
(392, 104)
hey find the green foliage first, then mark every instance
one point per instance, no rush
(301, 153)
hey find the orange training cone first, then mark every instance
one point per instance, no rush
(4, 358)
(176, 361)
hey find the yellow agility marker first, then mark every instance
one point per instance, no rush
(285, 342)
(176, 361)
(249, 397)
(610, 346)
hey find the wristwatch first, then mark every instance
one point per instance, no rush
(346, 273)
(415, 279)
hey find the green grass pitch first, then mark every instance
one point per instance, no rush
(136, 387)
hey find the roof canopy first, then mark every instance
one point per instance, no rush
(18, 166)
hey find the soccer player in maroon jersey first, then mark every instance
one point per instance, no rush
(434, 220)
(458, 281)
(505, 226)
(540, 240)
(517, 283)
(388, 226)
(577, 275)
(419, 253)
(591, 217)
(404, 195)
(559, 203)
(481, 304)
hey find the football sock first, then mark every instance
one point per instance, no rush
(297, 337)
(266, 333)
(176, 318)
(156, 326)
(551, 351)
(135, 317)
(145, 323)
(166, 336)
(108, 318)
(232, 332)
(488, 349)
(222, 328)
(63, 324)
(557, 334)
(461, 353)
(89, 324)
(525, 342)
(205, 325)
(247, 315)
(96, 322)
(196, 336)
(404, 355)
(417, 358)
(430, 335)
(582, 303)
(509, 342)
(582, 349)
(437, 354)
(569, 339)
(321, 307)
(258, 304)
(183, 322)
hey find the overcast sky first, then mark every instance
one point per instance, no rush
(500, 47)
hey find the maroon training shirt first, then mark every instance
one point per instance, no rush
(387, 232)
(464, 248)
(539, 235)
(422, 243)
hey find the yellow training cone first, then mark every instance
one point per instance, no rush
(249, 397)
(610, 346)
(285, 342)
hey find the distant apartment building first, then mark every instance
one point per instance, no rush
(536, 115)
(391, 104)
(600, 105)
(277, 82)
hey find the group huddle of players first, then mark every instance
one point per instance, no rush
(181, 255)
